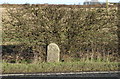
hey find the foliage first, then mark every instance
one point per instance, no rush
(77, 31)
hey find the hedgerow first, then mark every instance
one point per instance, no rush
(79, 32)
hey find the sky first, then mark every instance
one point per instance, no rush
(49, 1)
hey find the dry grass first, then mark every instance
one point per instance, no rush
(60, 67)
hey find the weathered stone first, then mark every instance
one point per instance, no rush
(53, 53)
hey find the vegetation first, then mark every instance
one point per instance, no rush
(81, 33)
(88, 38)
(59, 67)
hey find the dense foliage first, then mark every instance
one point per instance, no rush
(80, 33)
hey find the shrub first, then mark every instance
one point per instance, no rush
(75, 30)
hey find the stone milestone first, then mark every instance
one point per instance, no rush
(53, 53)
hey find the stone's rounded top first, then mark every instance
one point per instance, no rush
(53, 44)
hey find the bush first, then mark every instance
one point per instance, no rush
(76, 30)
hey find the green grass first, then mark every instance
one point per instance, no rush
(60, 67)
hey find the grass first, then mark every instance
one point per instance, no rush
(59, 67)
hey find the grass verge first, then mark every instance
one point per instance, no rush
(60, 67)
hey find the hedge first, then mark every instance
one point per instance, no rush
(79, 32)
